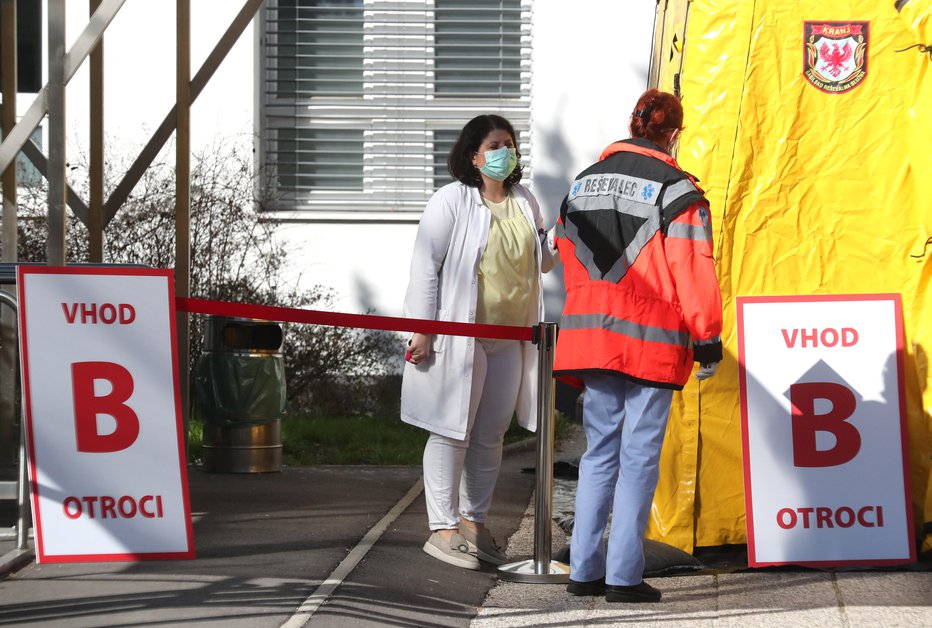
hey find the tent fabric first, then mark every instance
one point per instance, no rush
(916, 15)
(812, 192)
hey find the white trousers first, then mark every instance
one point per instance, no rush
(460, 475)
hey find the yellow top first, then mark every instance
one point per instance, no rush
(507, 270)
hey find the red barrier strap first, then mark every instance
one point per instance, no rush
(361, 321)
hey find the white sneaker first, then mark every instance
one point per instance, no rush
(484, 545)
(456, 551)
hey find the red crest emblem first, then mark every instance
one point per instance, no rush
(835, 54)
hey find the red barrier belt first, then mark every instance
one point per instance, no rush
(361, 321)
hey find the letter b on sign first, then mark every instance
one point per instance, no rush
(806, 423)
(87, 407)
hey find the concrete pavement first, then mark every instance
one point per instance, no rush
(772, 598)
(266, 545)
(341, 546)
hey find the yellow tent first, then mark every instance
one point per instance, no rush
(815, 188)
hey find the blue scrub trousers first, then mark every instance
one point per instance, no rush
(624, 424)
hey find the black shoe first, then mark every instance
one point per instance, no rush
(642, 592)
(593, 587)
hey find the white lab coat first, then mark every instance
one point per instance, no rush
(451, 238)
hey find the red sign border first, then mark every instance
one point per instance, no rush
(41, 556)
(897, 300)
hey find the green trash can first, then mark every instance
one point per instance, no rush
(240, 390)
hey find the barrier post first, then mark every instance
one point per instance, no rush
(541, 569)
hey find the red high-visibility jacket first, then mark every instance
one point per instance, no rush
(642, 297)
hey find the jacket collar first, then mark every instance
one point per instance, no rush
(645, 147)
(641, 146)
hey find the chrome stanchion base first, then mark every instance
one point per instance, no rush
(526, 571)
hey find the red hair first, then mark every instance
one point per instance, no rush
(655, 114)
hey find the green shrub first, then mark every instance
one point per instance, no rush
(311, 440)
(234, 257)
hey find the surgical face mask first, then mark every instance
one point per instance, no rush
(499, 163)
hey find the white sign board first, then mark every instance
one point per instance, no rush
(824, 430)
(103, 414)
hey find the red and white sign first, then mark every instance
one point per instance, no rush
(823, 416)
(103, 414)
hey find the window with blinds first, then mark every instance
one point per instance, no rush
(361, 100)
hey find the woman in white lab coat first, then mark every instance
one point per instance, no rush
(478, 259)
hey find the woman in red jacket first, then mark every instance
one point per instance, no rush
(642, 305)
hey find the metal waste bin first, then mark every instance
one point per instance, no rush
(240, 390)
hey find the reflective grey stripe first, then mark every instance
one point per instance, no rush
(676, 198)
(675, 191)
(689, 232)
(624, 205)
(558, 230)
(625, 328)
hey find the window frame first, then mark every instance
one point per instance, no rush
(398, 113)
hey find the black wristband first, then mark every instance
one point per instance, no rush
(708, 353)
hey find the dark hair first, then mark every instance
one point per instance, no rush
(459, 162)
(656, 113)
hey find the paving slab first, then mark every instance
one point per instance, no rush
(265, 543)
(726, 595)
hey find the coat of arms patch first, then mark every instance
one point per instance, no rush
(835, 54)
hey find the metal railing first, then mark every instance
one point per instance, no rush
(17, 490)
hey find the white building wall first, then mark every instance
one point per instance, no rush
(590, 64)
(591, 61)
